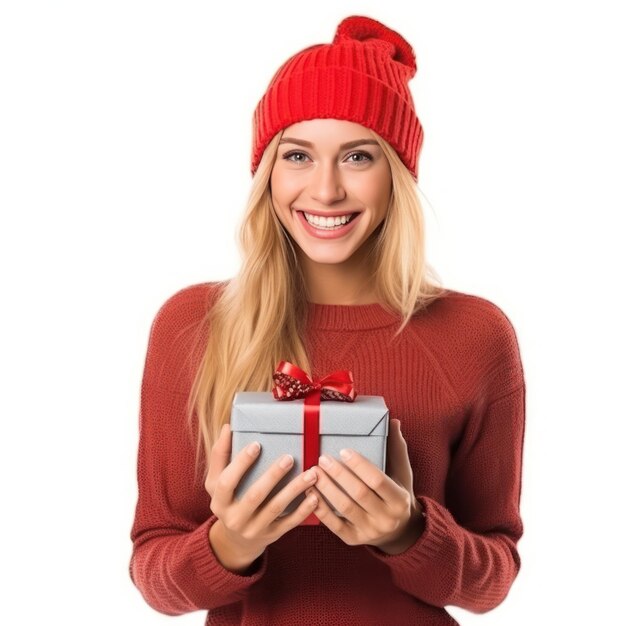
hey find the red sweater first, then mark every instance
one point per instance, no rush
(453, 377)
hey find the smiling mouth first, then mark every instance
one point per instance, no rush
(331, 222)
(330, 230)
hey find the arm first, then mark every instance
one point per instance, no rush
(173, 563)
(466, 555)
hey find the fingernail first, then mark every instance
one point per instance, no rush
(253, 448)
(286, 461)
(345, 454)
(310, 475)
(325, 461)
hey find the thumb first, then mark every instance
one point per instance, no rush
(399, 464)
(220, 457)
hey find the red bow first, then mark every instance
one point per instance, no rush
(292, 383)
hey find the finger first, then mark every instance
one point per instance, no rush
(347, 493)
(257, 494)
(274, 509)
(399, 463)
(326, 515)
(293, 519)
(219, 457)
(220, 452)
(381, 486)
(232, 474)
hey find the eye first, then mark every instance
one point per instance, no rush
(287, 156)
(368, 157)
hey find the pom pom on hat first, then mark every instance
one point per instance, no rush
(362, 76)
(375, 33)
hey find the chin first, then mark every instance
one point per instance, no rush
(328, 259)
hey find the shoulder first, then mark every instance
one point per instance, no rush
(177, 331)
(474, 317)
(477, 340)
(186, 305)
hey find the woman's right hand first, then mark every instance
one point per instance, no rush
(249, 527)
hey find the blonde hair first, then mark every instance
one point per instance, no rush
(259, 316)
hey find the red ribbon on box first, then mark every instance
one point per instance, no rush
(292, 383)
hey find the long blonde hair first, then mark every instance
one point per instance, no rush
(259, 316)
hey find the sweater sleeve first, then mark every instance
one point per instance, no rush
(471, 561)
(467, 554)
(172, 562)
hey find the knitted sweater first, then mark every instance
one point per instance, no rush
(453, 377)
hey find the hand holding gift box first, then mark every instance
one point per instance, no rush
(305, 427)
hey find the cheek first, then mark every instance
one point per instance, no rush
(385, 187)
(280, 201)
(379, 193)
(277, 182)
(285, 187)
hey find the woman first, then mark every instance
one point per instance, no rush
(333, 277)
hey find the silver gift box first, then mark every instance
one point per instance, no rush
(278, 426)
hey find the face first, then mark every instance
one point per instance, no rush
(330, 186)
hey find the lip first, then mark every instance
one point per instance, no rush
(328, 213)
(328, 234)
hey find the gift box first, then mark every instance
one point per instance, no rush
(282, 427)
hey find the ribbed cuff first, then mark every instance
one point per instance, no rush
(208, 565)
(444, 565)
(428, 546)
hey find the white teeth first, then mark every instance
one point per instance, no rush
(327, 222)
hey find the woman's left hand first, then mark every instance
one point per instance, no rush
(378, 509)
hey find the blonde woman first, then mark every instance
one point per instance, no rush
(333, 277)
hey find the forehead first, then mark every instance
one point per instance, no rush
(327, 130)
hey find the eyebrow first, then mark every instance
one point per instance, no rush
(343, 146)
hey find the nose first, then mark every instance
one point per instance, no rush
(326, 185)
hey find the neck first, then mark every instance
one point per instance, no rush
(345, 283)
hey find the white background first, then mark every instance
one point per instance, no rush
(125, 133)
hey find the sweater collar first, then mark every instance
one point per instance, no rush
(348, 317)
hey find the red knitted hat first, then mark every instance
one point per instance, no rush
(362, 76)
